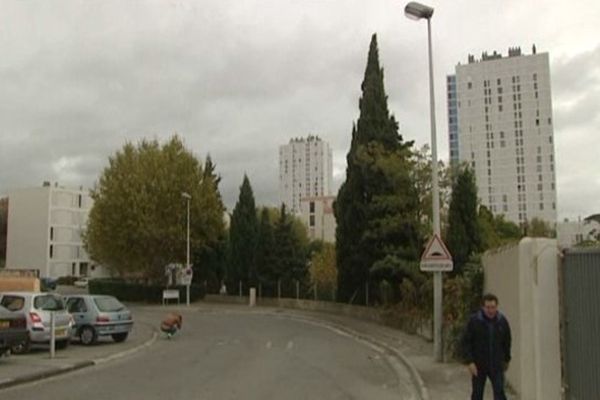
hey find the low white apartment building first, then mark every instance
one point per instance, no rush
(44, 231)
(572, 233)
(317, 214)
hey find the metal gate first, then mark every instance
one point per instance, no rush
(581, 301)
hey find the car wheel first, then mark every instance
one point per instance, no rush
(21, 348)
(120, 337)
(63, 344)
(88, 335)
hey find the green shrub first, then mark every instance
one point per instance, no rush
(462, 297)
(138, 292)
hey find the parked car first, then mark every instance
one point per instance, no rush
(48, 284)
(81, 283)
(99, 315)
(13, 330)
(37, 308)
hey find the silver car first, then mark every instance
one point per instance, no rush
(38, 308)
(98, 315)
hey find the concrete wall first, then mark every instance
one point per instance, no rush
(524, 276)
(19, 284)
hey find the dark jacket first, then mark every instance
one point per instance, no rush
(486, 342)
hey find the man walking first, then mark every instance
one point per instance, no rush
(486, 346)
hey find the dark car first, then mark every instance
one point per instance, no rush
(13, 330)
(48, 284)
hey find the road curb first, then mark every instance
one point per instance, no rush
(38, 376)
(128, 352)
(44, 374)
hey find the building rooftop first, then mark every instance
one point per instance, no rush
(485, 56)
(309, 138)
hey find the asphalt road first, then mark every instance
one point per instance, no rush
(237, 356)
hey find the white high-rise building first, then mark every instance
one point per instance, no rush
(44, 231)
(305, 170)
(500, 122)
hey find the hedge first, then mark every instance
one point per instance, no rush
(66, 280)
(137, 292)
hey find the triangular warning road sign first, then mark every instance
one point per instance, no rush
(436, 250)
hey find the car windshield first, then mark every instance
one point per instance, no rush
(108, 304)
(48, 303)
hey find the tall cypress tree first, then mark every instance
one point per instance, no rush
(376, 207)
(464, 234)
(243, 240)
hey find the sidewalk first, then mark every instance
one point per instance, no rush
(37, 364)
(442, 381)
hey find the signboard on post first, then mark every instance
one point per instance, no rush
(186, 276)
(436, 256)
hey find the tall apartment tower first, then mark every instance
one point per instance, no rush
(500, 123)
(305, 170)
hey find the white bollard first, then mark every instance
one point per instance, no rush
(252, 297)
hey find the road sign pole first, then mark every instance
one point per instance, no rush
(436, 258)
(437, 315)
(52, 334)
(187, 294)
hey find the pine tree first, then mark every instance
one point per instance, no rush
(290, 256)
(265, 254)
(209, 260)
(243, 240)
(377, 206)
(464, 234)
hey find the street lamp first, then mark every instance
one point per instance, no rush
(417, 11)
(188, 197)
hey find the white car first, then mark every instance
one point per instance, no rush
(37, 308)
(81, 283)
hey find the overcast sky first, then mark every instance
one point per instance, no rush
(238, 78)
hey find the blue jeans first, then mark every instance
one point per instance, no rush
(497, 380)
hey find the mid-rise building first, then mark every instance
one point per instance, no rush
(45, 226)
(500, 123)
(317, 214)
(305, 170)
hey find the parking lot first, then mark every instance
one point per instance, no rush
(37, 363)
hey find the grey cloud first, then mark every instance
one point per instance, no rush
(234, 79)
